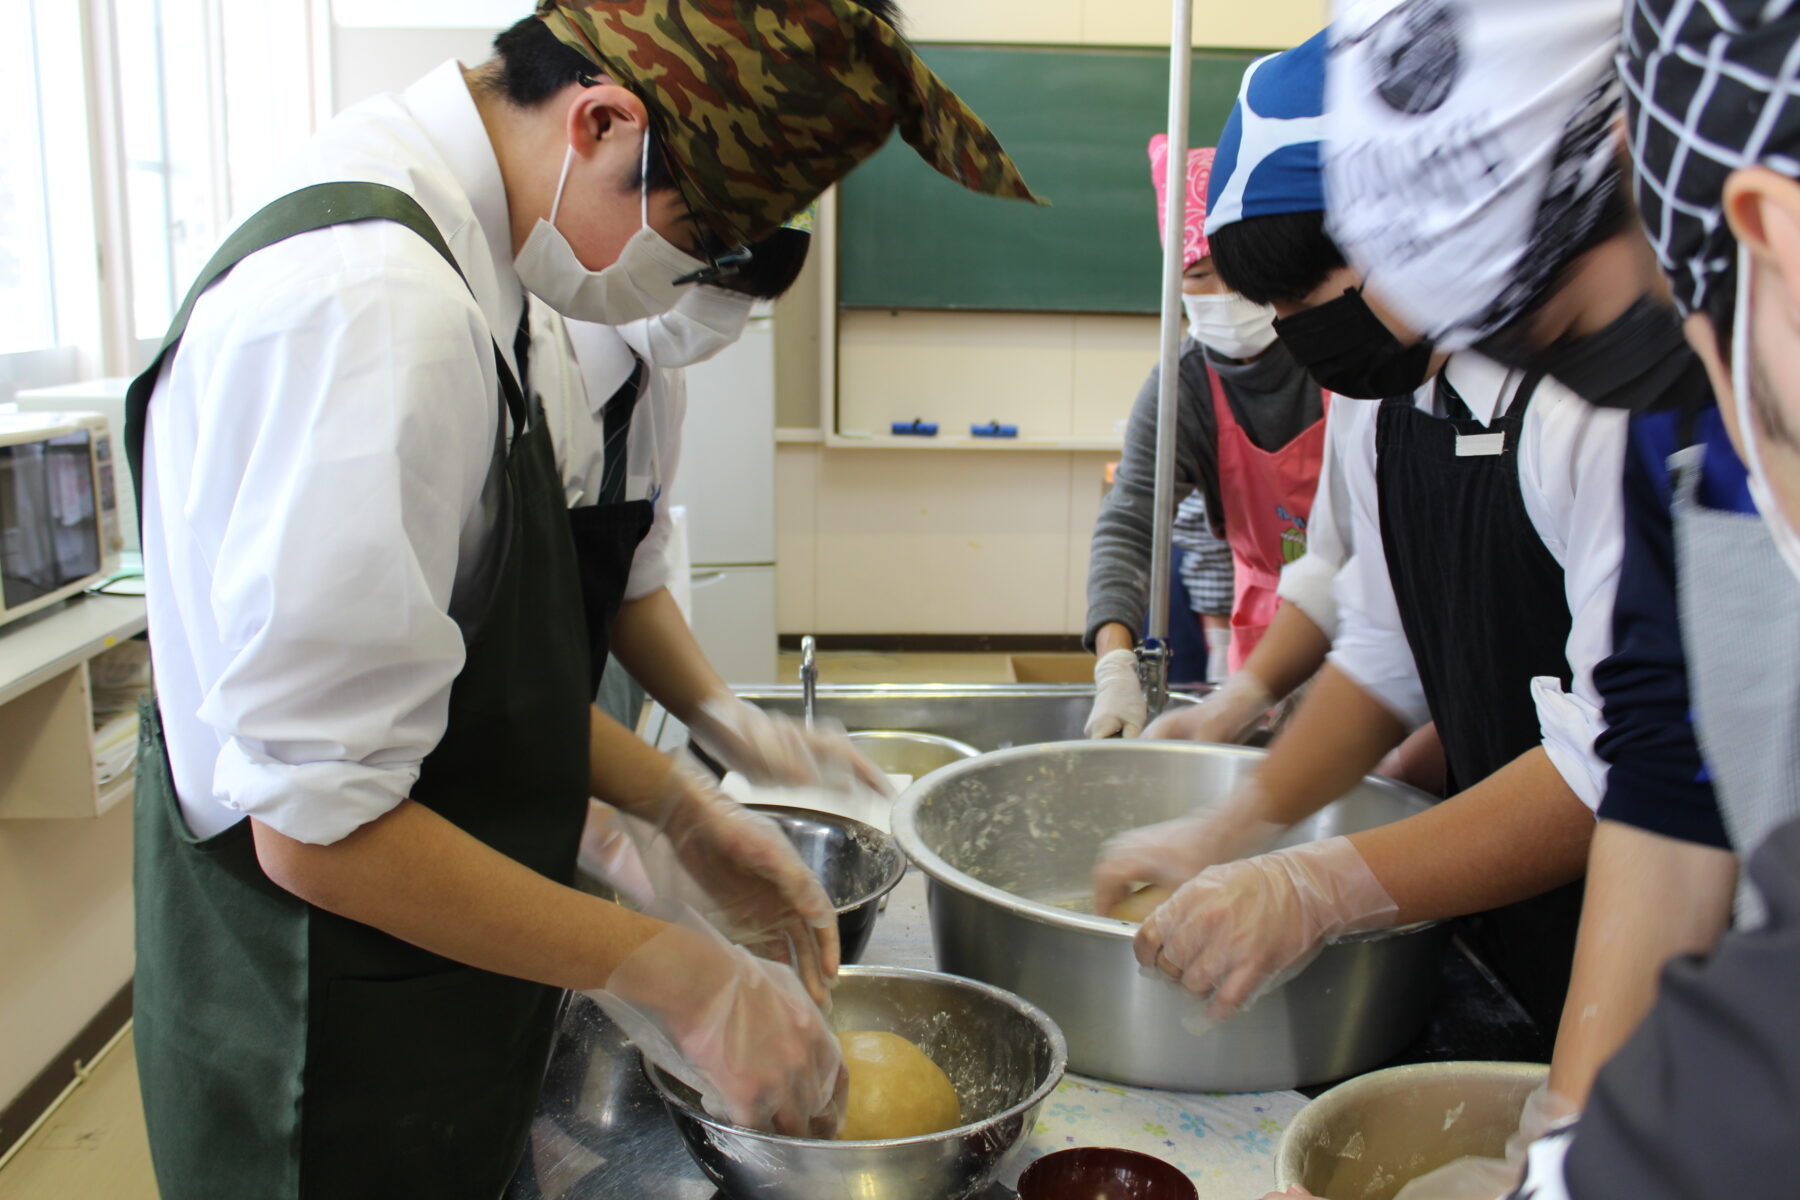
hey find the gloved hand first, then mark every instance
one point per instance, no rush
(1218, 654)
(738, 870)
(1474, 1178)
(1236, 932)
(739, 1030)
(1170, 853)
(609, 852)
(770, 749)
(1119, 707)
(1227, 715)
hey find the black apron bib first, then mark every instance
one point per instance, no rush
(287, 1052)
(607, 533)
(1484, 610)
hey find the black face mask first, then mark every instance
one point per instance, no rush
(1347, 350)
(1640, 362)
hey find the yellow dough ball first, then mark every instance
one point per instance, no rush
(1141, 903)
(895, 1090)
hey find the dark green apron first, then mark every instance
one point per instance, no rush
(287, 1052)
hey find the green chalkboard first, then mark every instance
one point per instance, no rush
(1077, 122)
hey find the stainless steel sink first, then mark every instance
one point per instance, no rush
(986, 716)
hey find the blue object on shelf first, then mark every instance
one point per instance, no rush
(994, 429)
(915, 428)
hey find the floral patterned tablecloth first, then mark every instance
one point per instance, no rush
(1224, 1143)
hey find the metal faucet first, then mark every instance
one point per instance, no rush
(1153, 672)
(809, 678)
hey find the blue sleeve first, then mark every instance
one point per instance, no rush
(1656, 780)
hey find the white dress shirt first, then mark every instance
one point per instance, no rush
(1330, 541)
(321, 480)
(592, 361)
(1571, 461)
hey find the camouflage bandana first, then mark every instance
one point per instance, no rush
(764, 104)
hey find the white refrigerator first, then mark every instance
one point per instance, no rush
(726, 481)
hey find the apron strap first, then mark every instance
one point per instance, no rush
(616, 433)
(317, 207)
(1521, 398)
(1457, 409)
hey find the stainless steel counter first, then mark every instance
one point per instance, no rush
(601, 1133)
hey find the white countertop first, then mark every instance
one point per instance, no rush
(39, 647)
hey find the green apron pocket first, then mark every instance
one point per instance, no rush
(422, 1086)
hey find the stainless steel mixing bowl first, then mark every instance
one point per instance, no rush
(857, 863)
(902, 752)
(1368, 1138)
(1009, 840)
(1003, 1055)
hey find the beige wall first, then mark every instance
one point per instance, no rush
(934, 541)
(1269, 23)
(65, 934)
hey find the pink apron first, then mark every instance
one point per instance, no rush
(1268, 496)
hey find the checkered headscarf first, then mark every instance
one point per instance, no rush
(1710, 86)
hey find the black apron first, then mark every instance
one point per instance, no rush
(1484, 610)
(607, 533)
(287, 1052)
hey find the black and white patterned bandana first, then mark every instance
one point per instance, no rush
(1710, 86)
(1469, 151)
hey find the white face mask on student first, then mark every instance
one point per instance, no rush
(1230, 324)
(1787, 538)
(640, 284)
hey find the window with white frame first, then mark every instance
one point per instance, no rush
(121, 162)
(48, 285)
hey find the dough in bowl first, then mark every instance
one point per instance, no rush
(895, 1089)
(1141, 903)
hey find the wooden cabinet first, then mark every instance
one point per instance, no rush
(47, 755)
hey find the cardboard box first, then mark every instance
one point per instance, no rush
(1051, 668)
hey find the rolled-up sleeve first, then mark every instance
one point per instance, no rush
(1308, 580)
(334, 537)
(1569, 480)
(1371, 646)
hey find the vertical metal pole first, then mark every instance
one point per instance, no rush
(1156, 647)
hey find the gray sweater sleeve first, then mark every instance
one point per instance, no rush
(1118, 585)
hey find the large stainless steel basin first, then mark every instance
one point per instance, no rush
(986, 716)
(1008, 841)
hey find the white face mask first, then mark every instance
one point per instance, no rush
(1787, 539)
(640, 284)
(1230, 324)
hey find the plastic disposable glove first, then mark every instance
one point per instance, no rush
(1218, 655)
(1170, 853)
(1236, 932)
(1490, 1178)
(1228, 715)
(609, 852)
(773, 750)
(739, 1030)
(1119, 707)
(739, 871)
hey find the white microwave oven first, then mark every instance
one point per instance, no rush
(59, 508)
